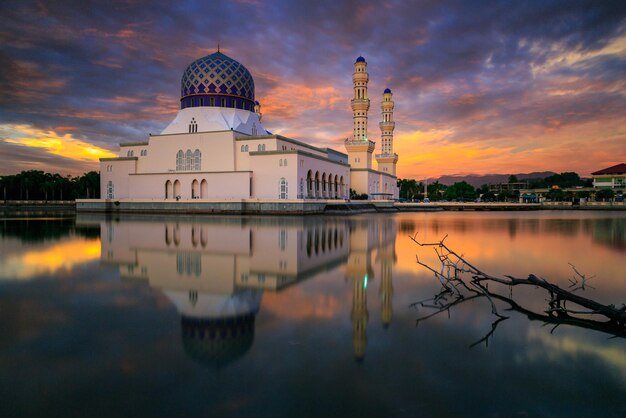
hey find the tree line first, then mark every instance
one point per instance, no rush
(38, 185)
(414, 190)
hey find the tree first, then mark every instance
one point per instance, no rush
(460, 191)
(356, 196)
(555, 195)
(436, 190)
(513, 178)
(605, 194)
(488, 196)
(37, 185)
(409, 189)
(461, 282)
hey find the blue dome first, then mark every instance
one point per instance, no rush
(387, 90)
(360, 59)
(217, 80)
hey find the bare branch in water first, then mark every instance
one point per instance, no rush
(461, 281)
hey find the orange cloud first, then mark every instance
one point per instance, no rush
(62, 145)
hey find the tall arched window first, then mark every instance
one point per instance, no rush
(246, 148)
(283, 192)
(197, 159)
(110, 190)
(168, 190)
(188, 160)
(180, 160)
(259, 148)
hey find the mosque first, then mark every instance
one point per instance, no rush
(217, 148)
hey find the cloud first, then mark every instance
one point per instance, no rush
(30, 148)
(509, 77)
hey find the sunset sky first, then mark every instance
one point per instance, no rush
(479, 86)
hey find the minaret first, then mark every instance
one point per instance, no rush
(257, 109)
(360, 103)
(387, 159)
(360, 148)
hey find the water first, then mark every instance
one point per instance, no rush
(299, 316)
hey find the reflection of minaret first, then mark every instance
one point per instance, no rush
(386, 291)
(359, 317)
(359, 271)
(387, 257)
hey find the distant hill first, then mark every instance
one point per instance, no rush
(479, 180)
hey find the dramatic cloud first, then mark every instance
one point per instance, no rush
(480, 87)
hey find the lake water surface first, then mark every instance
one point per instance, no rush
(141, 316)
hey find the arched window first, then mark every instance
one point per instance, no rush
(285, 162)
(280, 162)
(246, 148)
(180, 161)
(242, 148)
(193, 126)
(188, 160)
(197, 159)
(195, 189)
(259, 148)
(283, 191)
(168, 190)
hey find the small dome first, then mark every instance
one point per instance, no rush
(360, 59)
(219, 77)
(387, 90)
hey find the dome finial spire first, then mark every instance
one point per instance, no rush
(218, 47)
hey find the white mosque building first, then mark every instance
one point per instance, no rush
(217, 148)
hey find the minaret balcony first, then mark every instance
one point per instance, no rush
(356, 145)
(387, 158)
(361, 77)
(387, 126)
(360, 104)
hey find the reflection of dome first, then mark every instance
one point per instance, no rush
(217, 342)
(208, 80)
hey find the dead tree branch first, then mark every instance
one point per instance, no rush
(461, 281)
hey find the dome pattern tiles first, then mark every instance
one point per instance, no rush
(217, 74)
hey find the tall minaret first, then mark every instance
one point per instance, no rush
(360, 148)
(360, 103)
(387, 159)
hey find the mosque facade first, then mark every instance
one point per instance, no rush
(217, 148)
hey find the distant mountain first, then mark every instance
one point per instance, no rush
(479, 180)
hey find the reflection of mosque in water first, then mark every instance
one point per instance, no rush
(214, 270)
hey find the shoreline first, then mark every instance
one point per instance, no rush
(292, 207)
